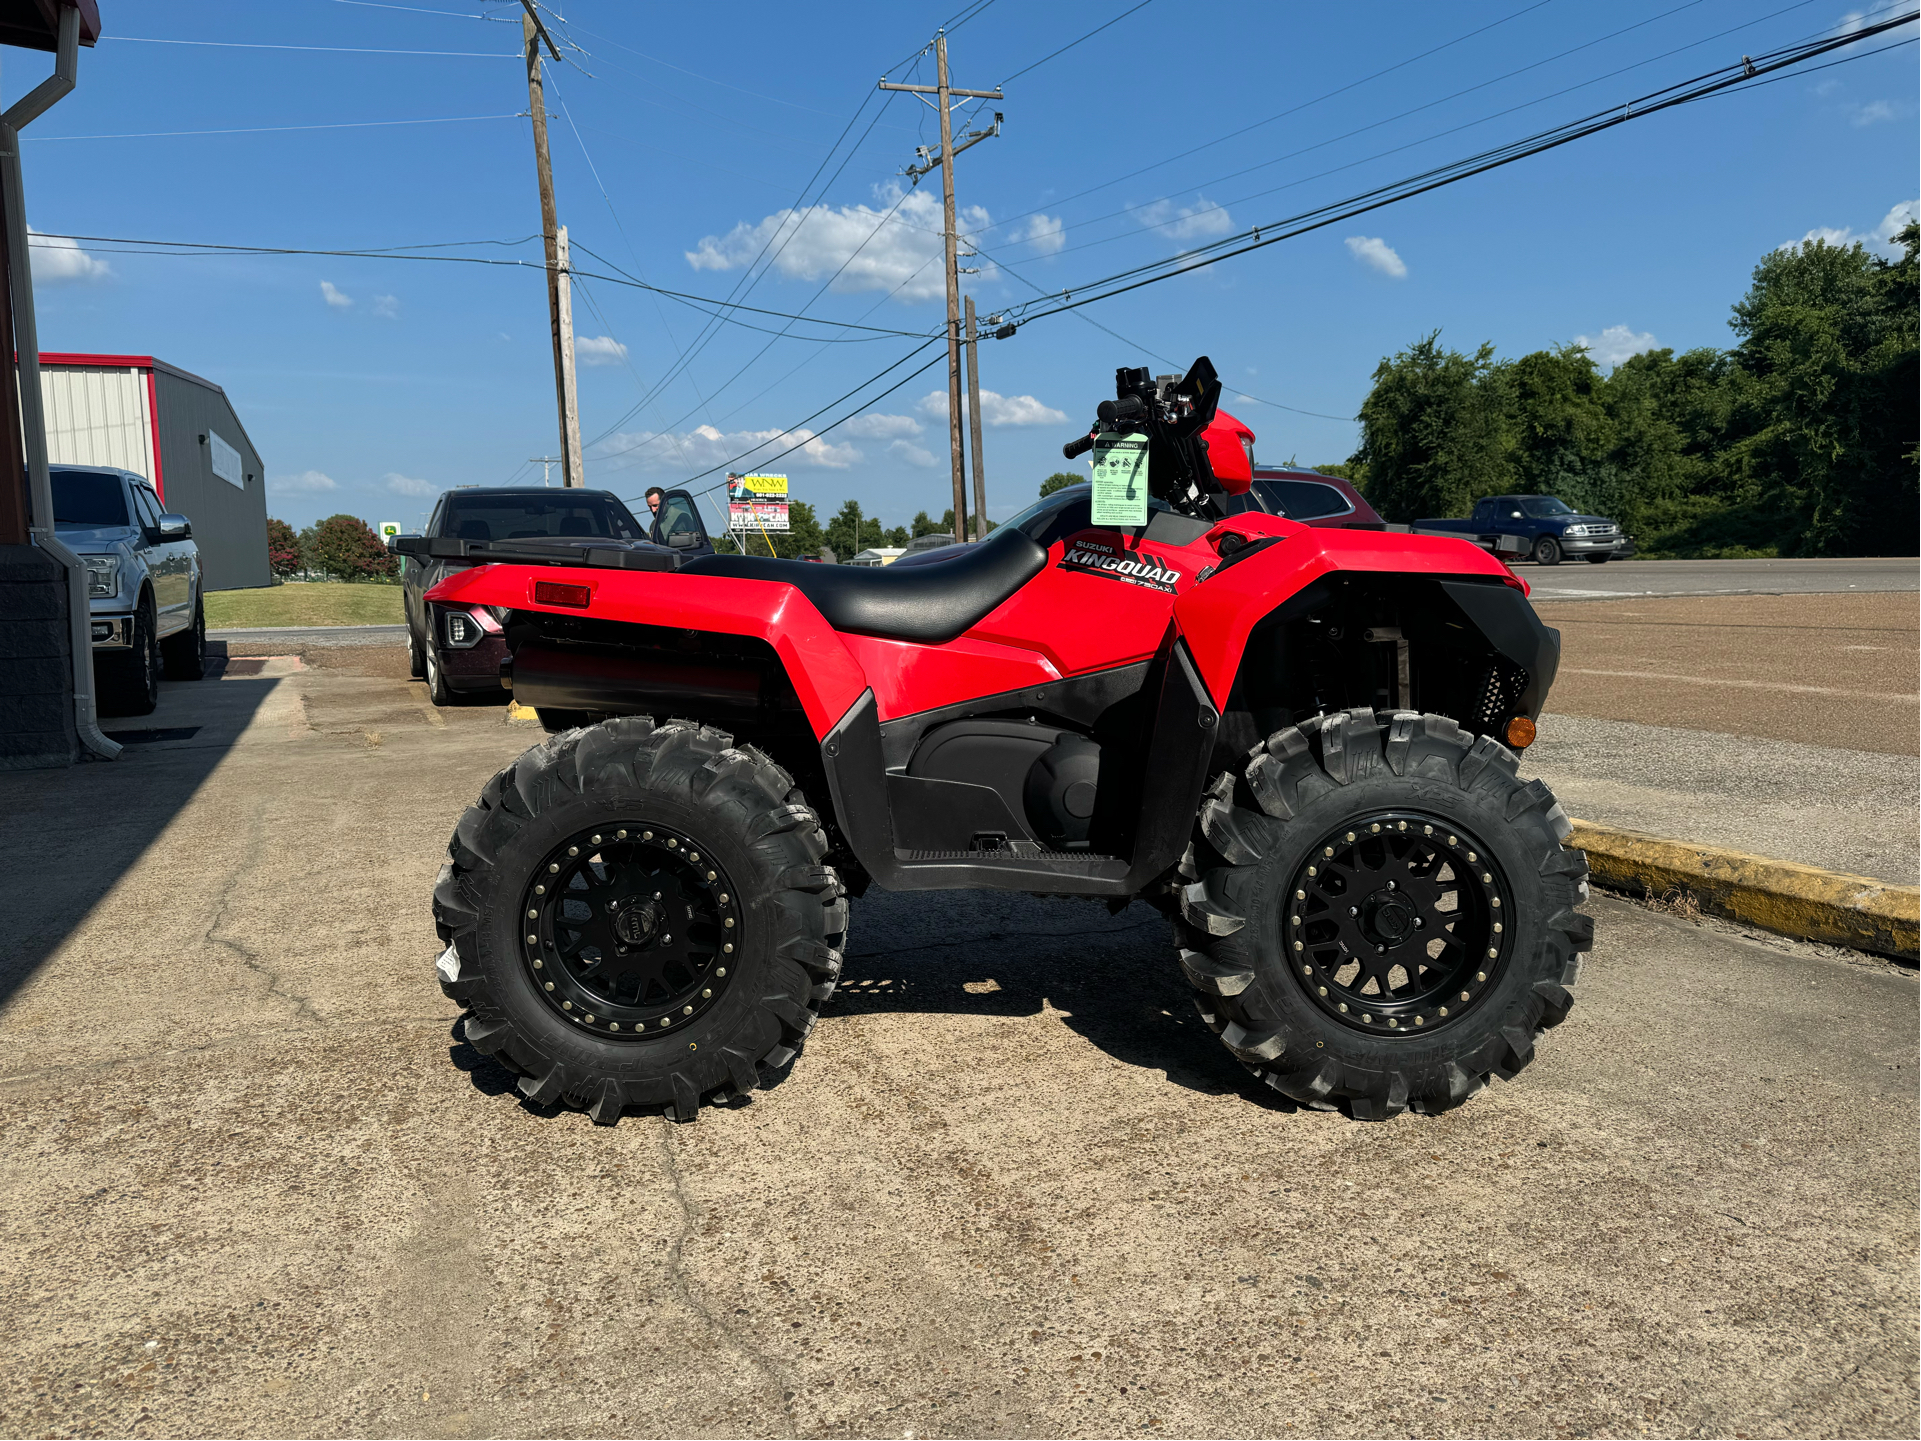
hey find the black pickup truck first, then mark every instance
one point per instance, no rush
(1543, 528)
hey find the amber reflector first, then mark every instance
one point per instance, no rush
(1520, 732)
(552, 592)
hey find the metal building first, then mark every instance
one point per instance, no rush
(179, 431)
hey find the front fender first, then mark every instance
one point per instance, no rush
(1216, 617)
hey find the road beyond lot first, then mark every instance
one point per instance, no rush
(260, 1185)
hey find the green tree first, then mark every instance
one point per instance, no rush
(346, 548)
(1433, 436)
(1060, 480)
(922, 524)
(1823, 404)
(849, 532)
(898, 536)
(283, 549)
(1562, 435)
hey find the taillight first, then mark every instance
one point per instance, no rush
(553, 592)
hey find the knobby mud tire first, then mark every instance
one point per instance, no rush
(1256, 831)
(746, 812)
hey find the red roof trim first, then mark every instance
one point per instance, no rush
(118, 362)
(153, 425)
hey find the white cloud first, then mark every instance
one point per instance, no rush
(1373, 251)
(704, 446)
(995, 409)
(598, 350)
(851, 243)
(873, 426)
(1873, 111)
(1881, 238)
(387, 307)
(57, 259)
(409, 485)
(337, 299)
(1045, 233)
(913, 454)
(308, 482)
(1190, 222)
(1615, 344)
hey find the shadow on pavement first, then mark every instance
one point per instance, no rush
(71, 834)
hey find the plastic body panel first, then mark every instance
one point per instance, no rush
(825, 677)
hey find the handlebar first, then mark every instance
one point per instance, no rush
(1078, 447)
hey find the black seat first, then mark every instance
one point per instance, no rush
(927, 603)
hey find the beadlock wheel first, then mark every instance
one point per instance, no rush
(630, 930)
(1395, 922)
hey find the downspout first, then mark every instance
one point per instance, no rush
(33, 418)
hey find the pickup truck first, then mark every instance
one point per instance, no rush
(458, 650)
(1542, 528)
(144, 588)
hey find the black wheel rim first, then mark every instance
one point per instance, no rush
(630, 929)
(1397, 923)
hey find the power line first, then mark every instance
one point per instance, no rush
(719, 310)
(276, 129)
(1088, 36)
(329, 49)
(1724, 79)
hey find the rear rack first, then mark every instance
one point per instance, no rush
(612, 556)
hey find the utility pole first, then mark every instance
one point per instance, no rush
(974, 422)
(945, 163)
(575, 473)
(544, 461)
(532, 34)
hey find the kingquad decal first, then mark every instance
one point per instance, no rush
(1094, 557)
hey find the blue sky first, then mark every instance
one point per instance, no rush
(684, 137)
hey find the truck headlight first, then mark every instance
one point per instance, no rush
(103, 576)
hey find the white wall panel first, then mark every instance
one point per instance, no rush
(97, 415)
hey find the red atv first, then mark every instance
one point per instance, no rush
(1288, 739)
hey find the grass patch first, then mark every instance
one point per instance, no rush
(305, 603)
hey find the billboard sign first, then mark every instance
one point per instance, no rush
(757, 502)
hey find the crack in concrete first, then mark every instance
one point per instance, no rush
(677, 1279)
(303, 1005)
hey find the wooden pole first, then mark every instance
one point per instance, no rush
(575, 474)
(536, 101)
(951, 243)
(974, 422)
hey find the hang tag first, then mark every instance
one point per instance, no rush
(1120, 481)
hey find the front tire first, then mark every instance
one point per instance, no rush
(438, 691)
(1382, 915)
(691, 934)
(1547, 551)
(129, 680)
(1602, 559)
(186, 653)
(416, 667)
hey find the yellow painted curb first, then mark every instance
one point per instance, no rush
(1793, 900)
(518, 712)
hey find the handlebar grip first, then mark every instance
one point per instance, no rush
(1078, 447)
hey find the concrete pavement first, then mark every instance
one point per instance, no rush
(260, 1185)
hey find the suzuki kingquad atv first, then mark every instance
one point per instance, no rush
(1288, 739)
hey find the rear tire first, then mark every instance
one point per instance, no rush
(186, 653)
(1547, 551)
(129, 680)
(756, 960)
(1290, 975)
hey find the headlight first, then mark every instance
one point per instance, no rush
(462, 630)
(103, 576)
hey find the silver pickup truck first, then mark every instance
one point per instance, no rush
(144, 587)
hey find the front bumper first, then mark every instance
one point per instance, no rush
(473, 669)
(112, 632)
(1589, 544)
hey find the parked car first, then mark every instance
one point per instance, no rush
(458, 649)
(1543, 528)
(144, 586)
(1299, 493)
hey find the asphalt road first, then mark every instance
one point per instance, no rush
(1584, 581)
(259, 1185)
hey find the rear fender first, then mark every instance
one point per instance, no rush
(826, 679)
